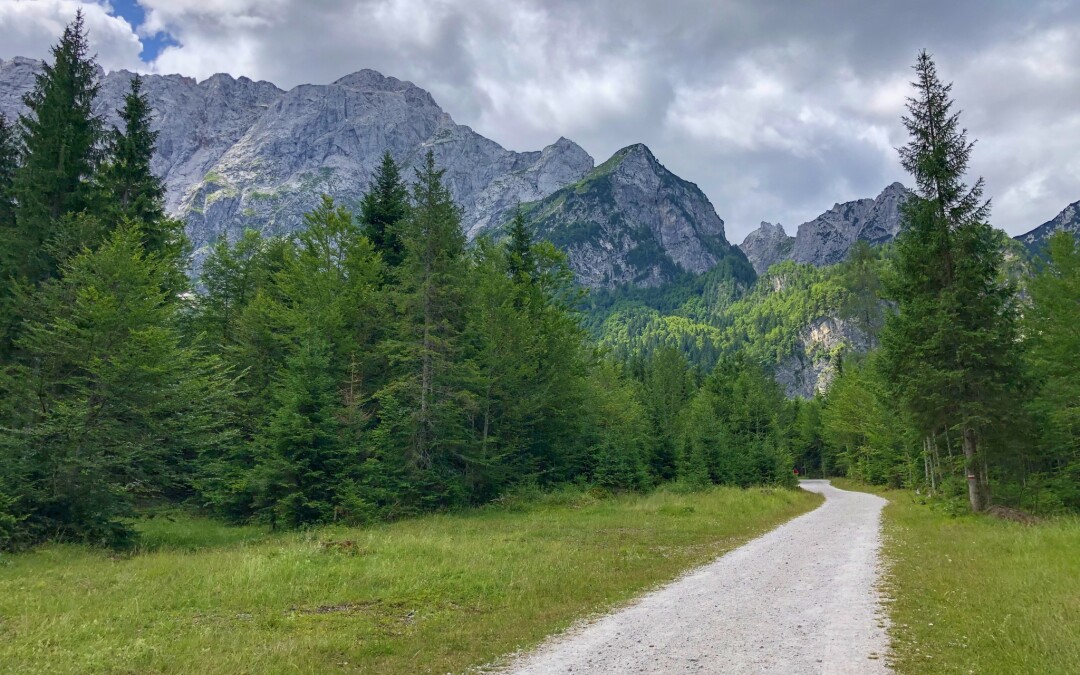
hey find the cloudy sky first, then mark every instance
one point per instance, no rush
(776, 108)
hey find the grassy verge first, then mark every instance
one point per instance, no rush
(973, 594)
(436, 594)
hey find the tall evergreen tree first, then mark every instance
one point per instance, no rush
(383, 211)
(113, 406)
(521, 261)
(62, 141)
(9, 163)
(1051, 326)
(130, 189)
(950, 349)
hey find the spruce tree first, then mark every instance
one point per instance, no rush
(520, 260)
(950, 349)
(130, 189)
(425, 408)
(9, 163)
(62, 139)
(134, 192)
(383, 211)
(112, 406)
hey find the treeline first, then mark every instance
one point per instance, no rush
(369, 367)
(973, 393)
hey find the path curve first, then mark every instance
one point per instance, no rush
(800, 599)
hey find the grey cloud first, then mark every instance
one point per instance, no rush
(776, 109)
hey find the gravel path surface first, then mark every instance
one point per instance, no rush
(800, 599)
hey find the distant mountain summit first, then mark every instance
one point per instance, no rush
(1066, 221)
(767, 245)
(237, 154)
(826, 240)
(631, 221)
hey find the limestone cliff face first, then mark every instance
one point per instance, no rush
(197, 122)
(1066, 221)
(766, 246)
(633, 221)
(827, 239)
(812, 365)
(238, 154)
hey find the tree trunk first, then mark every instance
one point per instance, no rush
(977, 488)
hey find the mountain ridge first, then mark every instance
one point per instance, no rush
(826, 239)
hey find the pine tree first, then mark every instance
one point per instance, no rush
(435, 249)
(9, 163)
(130, 189)
(1051, 326)
(520, 259)
(113, 406)
(383, 211)
(302, 455)
(950, 350)
(668, 387)
(61, 139)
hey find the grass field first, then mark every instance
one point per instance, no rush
(433, 595)
(974, 594)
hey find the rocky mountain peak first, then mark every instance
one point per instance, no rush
(766, 246)
(372, 80)
(827, 239)
(1066, 221)
(631, 221)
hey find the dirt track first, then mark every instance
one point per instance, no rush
(800, 599)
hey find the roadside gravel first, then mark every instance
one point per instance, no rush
(800, 599)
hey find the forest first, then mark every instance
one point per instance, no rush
(370, 367)
(374, 366)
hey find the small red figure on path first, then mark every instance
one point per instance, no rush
(796, 472)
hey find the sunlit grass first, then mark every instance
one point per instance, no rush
(974, 594)
(436, 594)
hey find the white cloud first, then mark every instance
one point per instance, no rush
(776, 109)
(30, 27)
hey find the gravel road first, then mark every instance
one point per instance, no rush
(800, 599)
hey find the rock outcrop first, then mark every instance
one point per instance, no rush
(826, 240)
(631, 221)
(1066, 221)
(766, 246)
(812, 365)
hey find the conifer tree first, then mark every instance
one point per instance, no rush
(61, 138)
(950, 349)
(301, 453)
(520, 260)
(113, 406)
(383, 211)
(130, 189)
(9, 163)
(425, 408)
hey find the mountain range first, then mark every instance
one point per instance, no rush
(236, 154)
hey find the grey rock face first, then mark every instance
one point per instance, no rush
(197, 122)
(812, 365)
(632, 221)
(1066, 221)
(827, 239)
(237, 154)
(766, 246)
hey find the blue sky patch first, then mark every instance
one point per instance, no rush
(134, 14)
